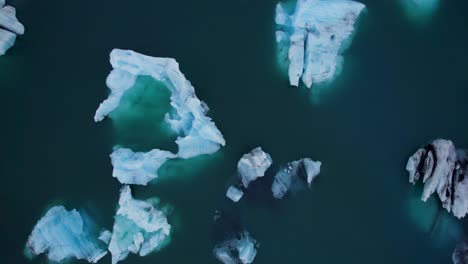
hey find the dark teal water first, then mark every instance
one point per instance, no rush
(402, 85)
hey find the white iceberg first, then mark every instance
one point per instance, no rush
(138, 167)
(234, 194)
(63, 234)
(198, 134)
(312, 38)
(253, 165)
(9, 27)
(237, 250)
(296, 175)
(443, 169)
(139, 228)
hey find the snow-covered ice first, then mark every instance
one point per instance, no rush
(234, 194)
(138, 167)
(295, 175)
(197, 133)
(63, 234)
(242, 249)
(253, 165)
(139, 228)
(443, 169)
(312, 37)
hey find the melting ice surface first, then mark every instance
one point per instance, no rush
(197, 133)
(138, 167)
(311, 39)
(63, 234)
(139, 228)
(9, 27)
(237, 250)
(295, 175)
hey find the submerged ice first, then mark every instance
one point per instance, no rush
(420, 10)
(198, 134)
(241, 249)
(443, 170)
(63, 234)
(139, 228)
(138, 167)
(311, 38)
(9, 27)
(294, 176)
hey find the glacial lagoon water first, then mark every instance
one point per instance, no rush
(402, 84)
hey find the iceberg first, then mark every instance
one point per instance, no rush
(443, 169)
(197, 133)
(63, 234)
(295, 175)
(234, 194)
(7, 40)
(253, 165)
(139, 228)
(241, 249)
(311, 38)
(9, 27)
(138, 167)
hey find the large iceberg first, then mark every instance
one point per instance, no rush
(138, 167)
(443, 169)
(241, 249)
(63, 234)
(295, 175)
(198, 134)
(311, 38)
(139, 228)
(9, 27)
(253, 165)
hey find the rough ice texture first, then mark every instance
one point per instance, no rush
(242, 249)
(460, 254)
(139, 228)
(234, 194)
(295, 175)
(312, 38)
(9, 27)
(7, 40)
(63, 234)
(138, 167)
(198, 134)
(253, 165)
(443, 170)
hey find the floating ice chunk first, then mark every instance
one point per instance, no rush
(253, 165)
(9, 21)
(138, 167)
(234, 194)
(444, 171)
(237, 250)
(63, 234)
(138, 228)
(315, 35)
(9, 27)
(460, 254)
(296, 175)
(198, 134)
(105, 236)
(7, 40)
